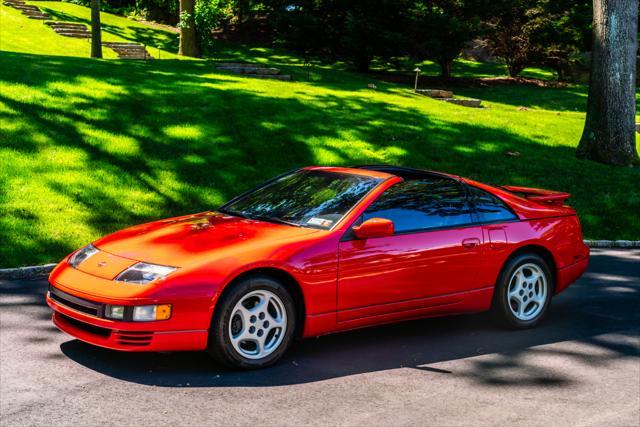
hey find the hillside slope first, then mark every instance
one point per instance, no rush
(91, 146)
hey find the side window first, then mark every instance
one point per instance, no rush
(422, 204)
(489, 207)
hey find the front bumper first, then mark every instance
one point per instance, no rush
(73, 315)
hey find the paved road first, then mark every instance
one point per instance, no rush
(581, 367)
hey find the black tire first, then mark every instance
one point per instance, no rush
(502, 308)
(220, 346)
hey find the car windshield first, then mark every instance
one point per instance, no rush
(306, 198)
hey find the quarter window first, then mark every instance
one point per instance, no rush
(422, 204)
(489, 207)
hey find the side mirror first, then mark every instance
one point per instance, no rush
(374, 227)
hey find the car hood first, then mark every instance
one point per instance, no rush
(185, 240)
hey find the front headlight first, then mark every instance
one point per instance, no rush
(138, 313)
(146, 313)
(81, 255)
(142, 273)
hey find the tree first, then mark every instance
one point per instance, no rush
(439, 29)
(355, 30)
(372, 28)
(539, 32)
(96, 31)
(188, 35)
(512, 29)
(609, 129)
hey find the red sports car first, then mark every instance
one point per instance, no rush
(321, 250)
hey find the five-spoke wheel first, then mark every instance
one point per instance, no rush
(253, 323)
(258, 323)
(527, 291)
(523, 291)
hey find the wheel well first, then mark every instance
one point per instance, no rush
(540, 251)
(287, 280)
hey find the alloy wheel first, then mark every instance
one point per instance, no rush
(527, 292)
(258, 324)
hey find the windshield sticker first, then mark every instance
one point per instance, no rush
(320, 222)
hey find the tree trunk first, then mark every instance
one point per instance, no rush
(96, 32)
(609, 129)
(445, 68)
(362, 63)
(188, 35)
(514, 68)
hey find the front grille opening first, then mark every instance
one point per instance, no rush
(75, 306)
(95, 330)
(133, 338)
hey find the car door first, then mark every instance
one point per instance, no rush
(435, 251)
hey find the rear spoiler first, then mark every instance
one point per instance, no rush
(539, 195)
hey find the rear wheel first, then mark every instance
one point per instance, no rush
(253, 324)
(523, 292)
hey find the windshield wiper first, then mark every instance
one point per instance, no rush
(273, 219)
(259, 217)
(233, 213)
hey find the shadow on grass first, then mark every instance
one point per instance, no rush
(168, 137)
(573, 98)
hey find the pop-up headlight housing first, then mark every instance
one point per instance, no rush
(143, 273)
(81, 255)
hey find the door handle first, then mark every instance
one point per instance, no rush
(471, 242)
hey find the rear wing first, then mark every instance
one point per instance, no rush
(539, 195)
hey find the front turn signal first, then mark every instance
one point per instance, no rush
(163, 312)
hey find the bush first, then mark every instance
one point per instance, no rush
(210, 15)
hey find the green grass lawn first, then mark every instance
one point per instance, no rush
(91, 146)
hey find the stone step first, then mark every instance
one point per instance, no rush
(121, 44)
(140, 57)
(56, 28)
(71, 30)
(475, 103)
(26, 7)
(35, 13)
(78, 35)
(238, 64)
(128, 50)
(132, 52)
(64, 25)
(140, 53)
(133, 48)
(436, 93)
(285, 77)
(250, 70)
(43, 17)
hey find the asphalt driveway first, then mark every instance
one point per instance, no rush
(581, 367)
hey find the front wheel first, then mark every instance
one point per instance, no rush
(523, 292)
(253, 324)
